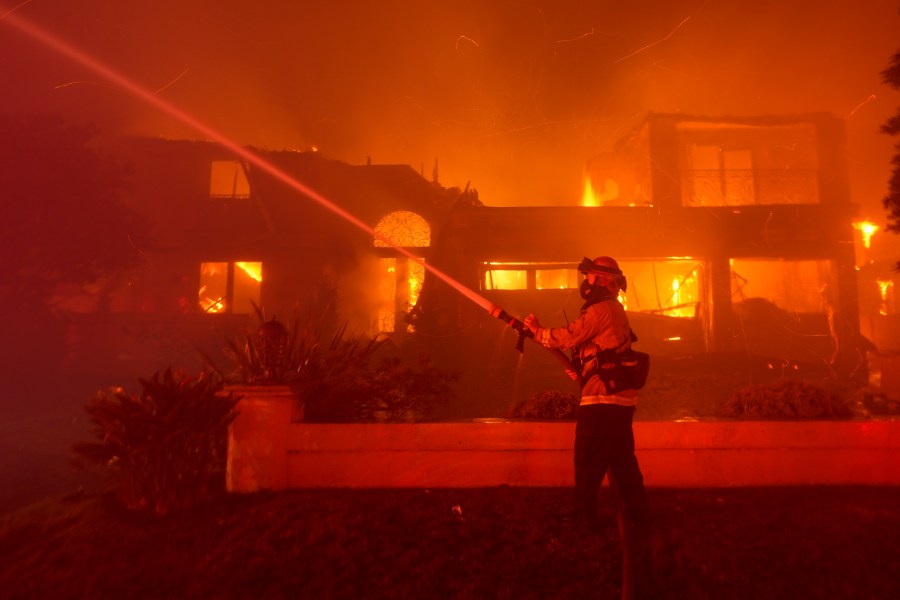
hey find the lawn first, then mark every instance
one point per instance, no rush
(786, 542)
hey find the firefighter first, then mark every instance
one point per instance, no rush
(604, 439)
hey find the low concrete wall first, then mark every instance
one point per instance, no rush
(268, 451)
(697, 454)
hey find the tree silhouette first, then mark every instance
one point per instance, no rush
(891, 202)
(62, 220)
(62, 224)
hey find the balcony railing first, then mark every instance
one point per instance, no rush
(712, 187)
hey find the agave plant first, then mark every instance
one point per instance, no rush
(308, 354)
(334, 374)
(165, 447)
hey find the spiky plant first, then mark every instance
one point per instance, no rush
(165, 448)
(310, 355)
(335, 376)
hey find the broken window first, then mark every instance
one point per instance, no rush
(795, 286)
(739, 165)
(672, 287)
(228, 179)
(401, 277)
(231, 287)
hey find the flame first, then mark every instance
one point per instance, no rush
(213, 306)
(684, 292)
(610, 192)
(588, 198)
(885, 287)
(252, 269)
(414, 281)
(867, 229)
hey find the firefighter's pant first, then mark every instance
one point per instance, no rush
(604, 442)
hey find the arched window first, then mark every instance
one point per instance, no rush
(401, 277)
(405, 229)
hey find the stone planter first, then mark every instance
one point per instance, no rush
(257, 439)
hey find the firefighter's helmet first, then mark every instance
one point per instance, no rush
(605, 266)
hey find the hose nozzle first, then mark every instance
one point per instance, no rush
(515, 323)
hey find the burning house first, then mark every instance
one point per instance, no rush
(735, 233)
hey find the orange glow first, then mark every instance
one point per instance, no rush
(403, 228)
(588, 198)
(212, 306)
(555, 279)
(386, 310)
(886, 288)
(252, 269)
(223, 288)
(213, 286)
(414, 281)
(506, 279)
(398, 294)
(530, 275)
(867, 229)
(684, 296)
(228, 179)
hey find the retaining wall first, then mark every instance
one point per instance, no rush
(269, 451)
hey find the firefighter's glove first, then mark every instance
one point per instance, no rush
(532, 323)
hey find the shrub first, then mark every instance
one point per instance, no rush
(166, 448)
(308, 353)
(334, 376)
(785, 399)
(547, 405)
(391, 391)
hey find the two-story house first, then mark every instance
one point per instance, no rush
(735, 235)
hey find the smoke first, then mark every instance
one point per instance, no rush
(513, 97)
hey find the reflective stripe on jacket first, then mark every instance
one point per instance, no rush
(600, 326)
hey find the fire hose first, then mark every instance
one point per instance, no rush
(524, 332)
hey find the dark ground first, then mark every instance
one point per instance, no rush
(748, 543)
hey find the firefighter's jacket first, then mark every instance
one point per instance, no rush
(601, 326)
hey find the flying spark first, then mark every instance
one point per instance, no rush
(14, 8)
(126, 84)
(860, 105)
(183, 73)
(466, 39)
(64, 85)
(575, 39)
(656, 42)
